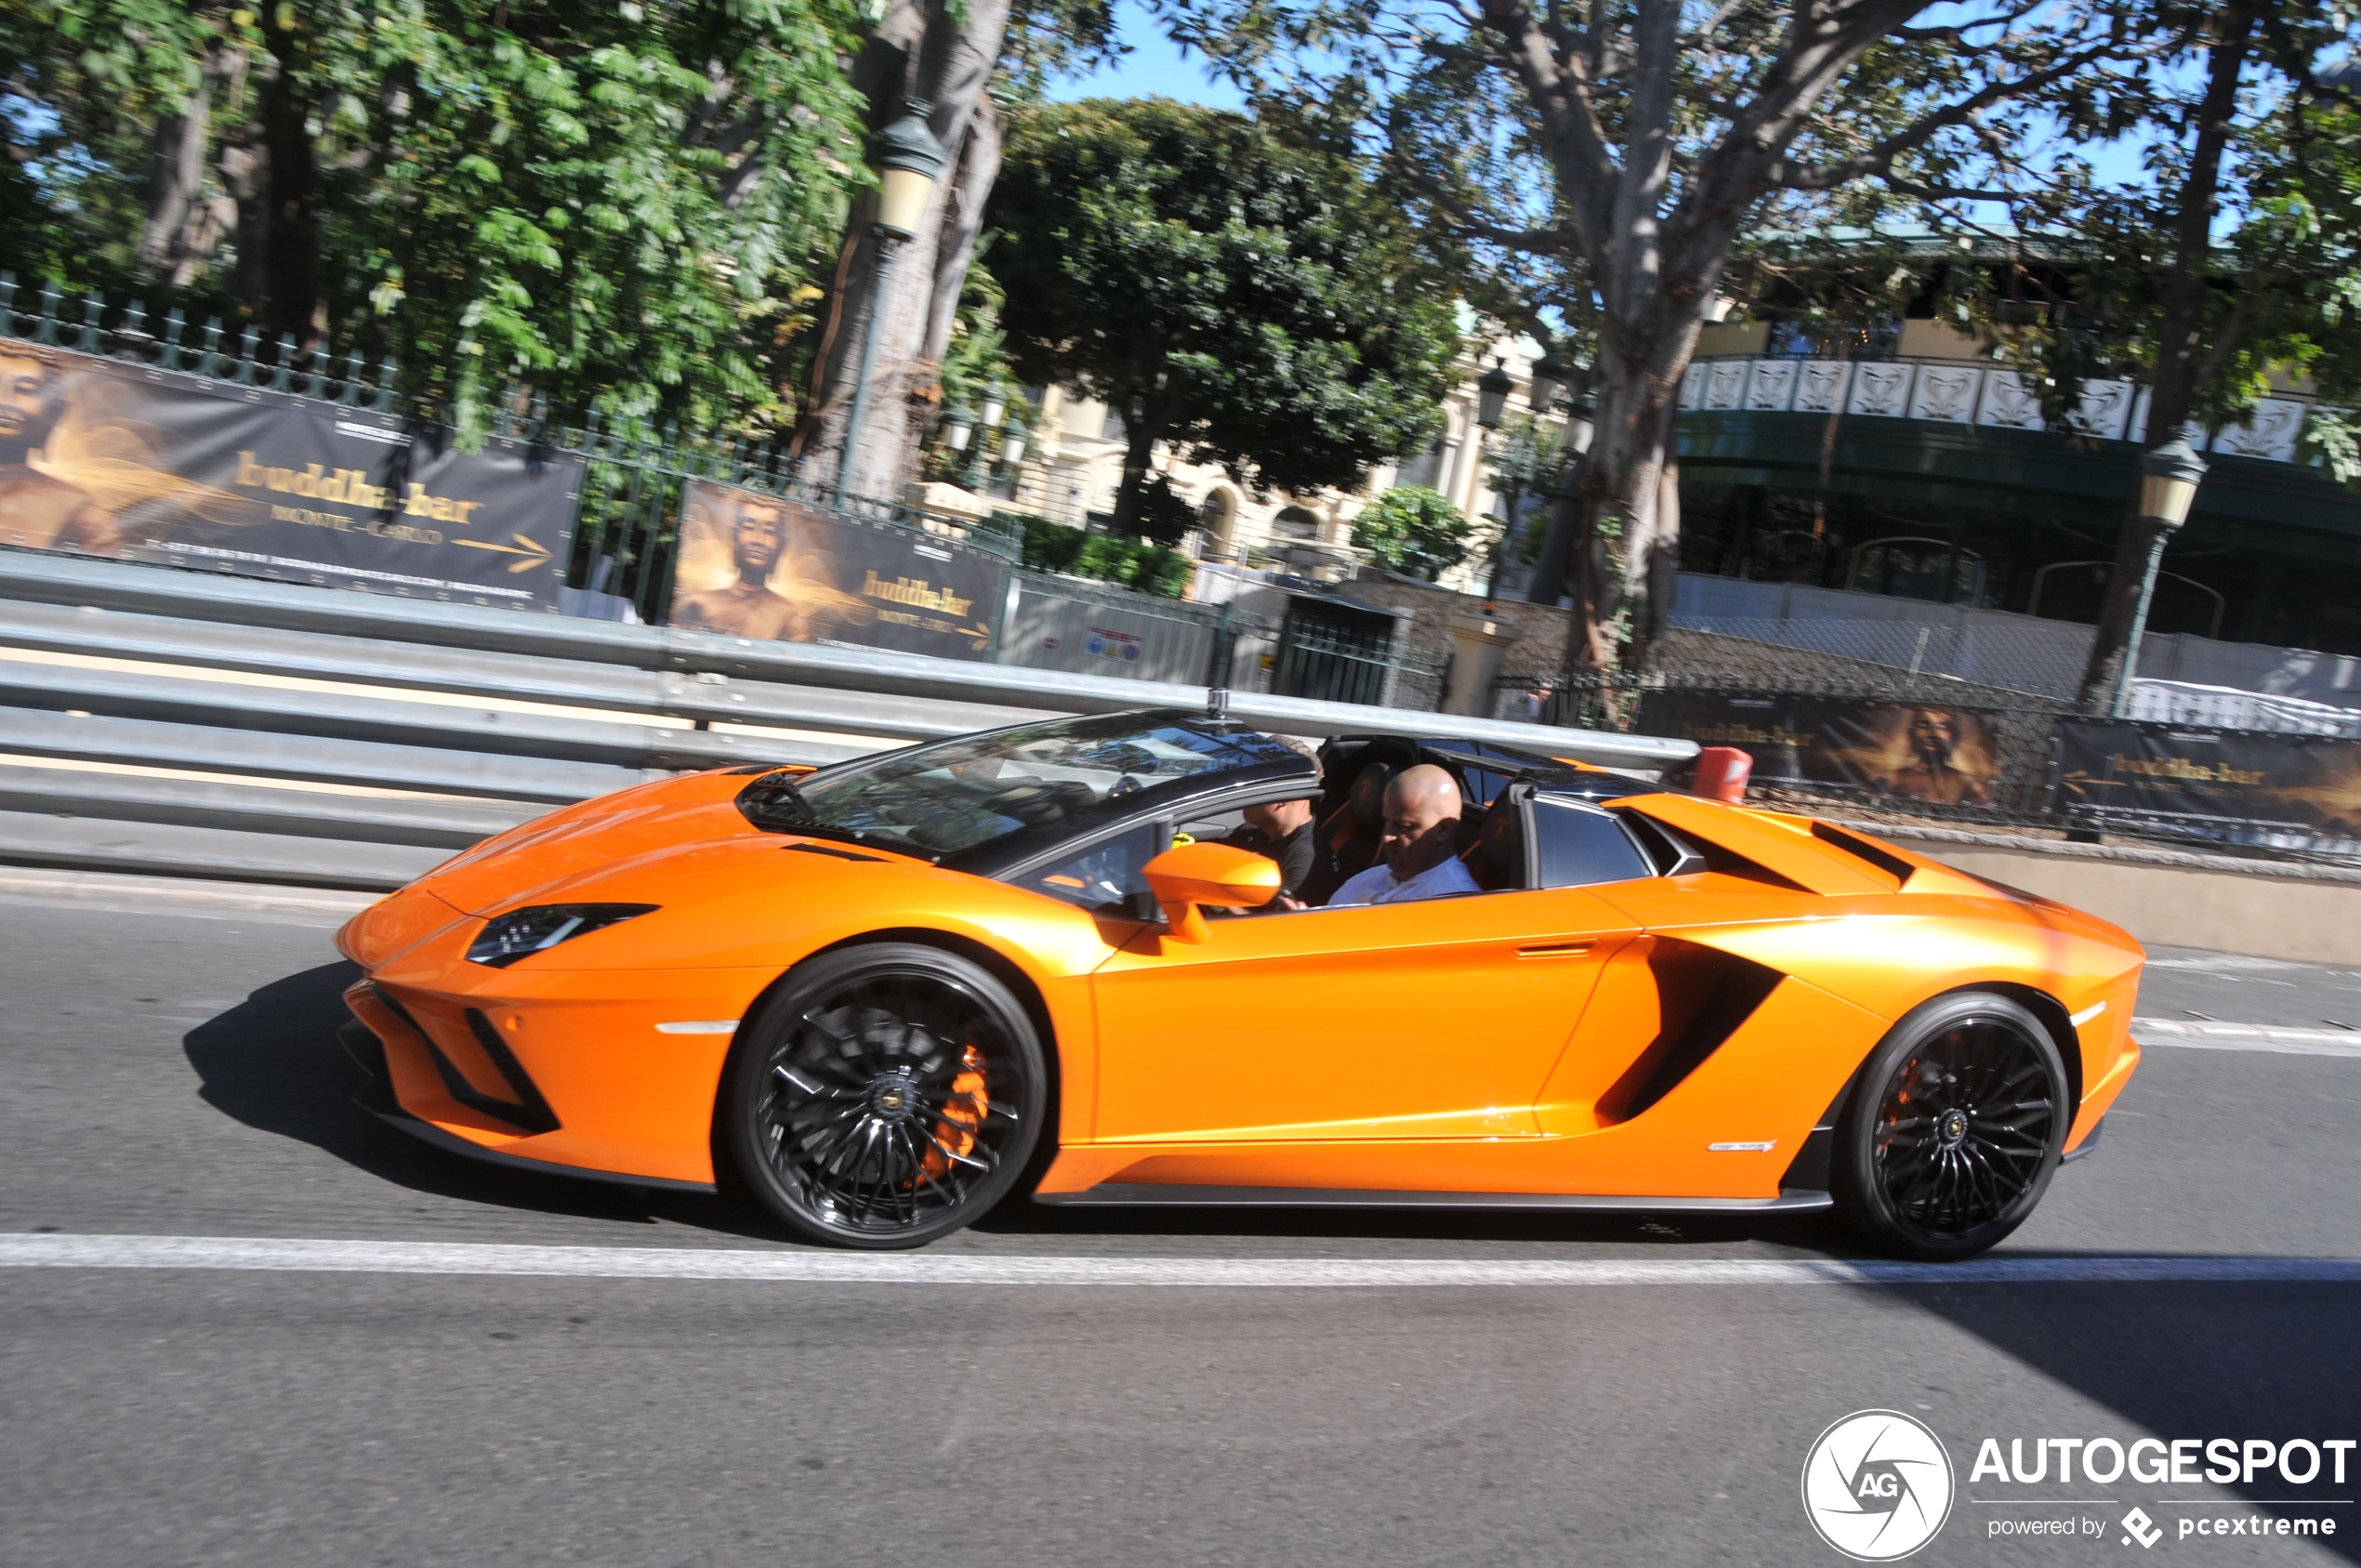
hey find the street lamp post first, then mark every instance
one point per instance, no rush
(995, 403)
(2169, 480)
(908, 158)
(1492, 406)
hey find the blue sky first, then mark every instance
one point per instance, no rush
(1154, 68)
(1157, 68)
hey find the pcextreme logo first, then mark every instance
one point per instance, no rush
(1877, 1485)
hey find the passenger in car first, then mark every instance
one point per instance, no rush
(1418, 856)
(1283, 830)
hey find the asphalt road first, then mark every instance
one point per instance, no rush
(166, 1070)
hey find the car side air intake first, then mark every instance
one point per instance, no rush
(1703, 996)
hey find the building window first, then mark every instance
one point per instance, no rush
(1295, 523)
(1930, 569)
(1792, 340)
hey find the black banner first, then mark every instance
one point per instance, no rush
(1916, 751)
(2227, 782)
(754, 565)
(104, 458)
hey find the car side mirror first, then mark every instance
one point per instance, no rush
(1221, 874)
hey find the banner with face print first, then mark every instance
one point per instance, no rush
(756, 565)
(101, 457)
(2213, 780)
(1947, 755)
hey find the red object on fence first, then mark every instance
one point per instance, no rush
(1723, 771)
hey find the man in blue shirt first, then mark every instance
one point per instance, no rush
(1417, 857)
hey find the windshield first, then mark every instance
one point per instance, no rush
(940, 799)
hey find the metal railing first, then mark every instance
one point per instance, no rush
(140, 737)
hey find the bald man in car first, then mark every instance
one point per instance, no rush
(1419, 855)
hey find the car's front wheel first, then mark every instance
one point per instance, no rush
(1954, 1129)
(884, 1096)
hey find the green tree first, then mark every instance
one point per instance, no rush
(2236, 256)
(1243, 295)
(1604, 161)
(623, 207)
(1413, 530)
(898, 304)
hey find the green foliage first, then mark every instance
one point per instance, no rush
(1414, 530)
(1049, 547)
(1238, 292)
(623, 206)
(1134, 564)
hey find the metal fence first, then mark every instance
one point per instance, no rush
(2023, 737)
(627, 517)
(1062, 622)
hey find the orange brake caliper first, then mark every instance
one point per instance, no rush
(963, 1116)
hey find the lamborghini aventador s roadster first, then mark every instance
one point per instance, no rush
(887, 995)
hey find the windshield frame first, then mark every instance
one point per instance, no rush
(995, 856)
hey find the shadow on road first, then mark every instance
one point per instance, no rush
(1817, 1235)
(273, 1061)
(2183, 1360)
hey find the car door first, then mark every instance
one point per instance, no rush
(1433, 1020)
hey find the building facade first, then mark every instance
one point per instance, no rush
(1925, 471)
(1074, 464)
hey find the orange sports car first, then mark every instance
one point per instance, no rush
(886, 996)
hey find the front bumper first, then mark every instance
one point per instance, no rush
(565, 1071)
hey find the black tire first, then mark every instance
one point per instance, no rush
(883, 1095)
(1953, 1129)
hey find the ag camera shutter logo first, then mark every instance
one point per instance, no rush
(1877, 1485)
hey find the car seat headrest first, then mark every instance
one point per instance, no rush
(1498, 854)
(1367, 802)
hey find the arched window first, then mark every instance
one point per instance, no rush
(1295, 524)
(1218, 516)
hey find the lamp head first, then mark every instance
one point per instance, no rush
(910, 158)
(958, 423)
(1550, 380)
(1492, 394)
(1581, 425)
(2169, 480)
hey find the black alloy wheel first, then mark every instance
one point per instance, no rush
(884, 1096)
(1954, 1129)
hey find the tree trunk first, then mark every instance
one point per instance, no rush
(2174, 391)
(176, 184)
(1629, 543)
(294, 300)
(942, 54)
(1143, 426)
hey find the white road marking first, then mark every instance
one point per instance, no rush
(2210, 1035)
(276, 1254)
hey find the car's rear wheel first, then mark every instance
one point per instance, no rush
(885, 1095)
(1954, 1127)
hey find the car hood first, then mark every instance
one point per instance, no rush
(554, 857)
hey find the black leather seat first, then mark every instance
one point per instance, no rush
(1496, 858)
(1348, 839)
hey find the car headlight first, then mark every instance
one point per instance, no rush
(509, 937)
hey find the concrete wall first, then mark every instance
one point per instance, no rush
(2208, 902)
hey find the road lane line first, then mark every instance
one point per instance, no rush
(2209, 1035)
(283, 1254)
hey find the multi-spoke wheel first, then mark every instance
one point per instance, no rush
(884, 1096)
(1954, 1129)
